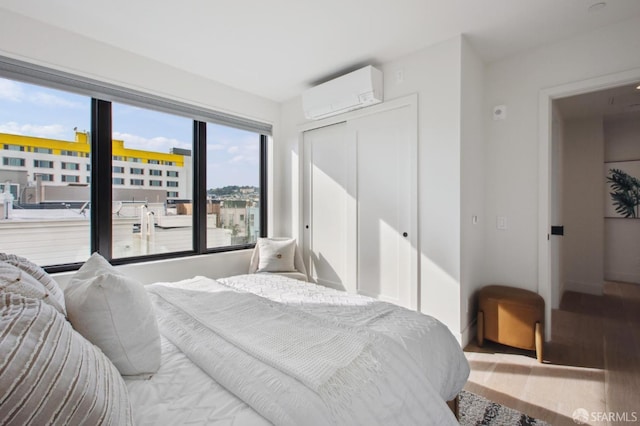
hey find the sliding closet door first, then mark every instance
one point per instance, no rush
(387, 205)
(329, 206)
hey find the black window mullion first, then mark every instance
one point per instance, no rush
(101, 151)
(199, 186)
(263, 185)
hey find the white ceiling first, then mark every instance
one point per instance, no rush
(277, 48)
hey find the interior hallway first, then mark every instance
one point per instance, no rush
(592, 362)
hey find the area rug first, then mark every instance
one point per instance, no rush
(475, 411)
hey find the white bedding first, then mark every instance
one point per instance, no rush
(412, 389)
(180, 393)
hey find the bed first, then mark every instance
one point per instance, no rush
(264, 349)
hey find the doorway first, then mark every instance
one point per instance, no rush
(550, 270)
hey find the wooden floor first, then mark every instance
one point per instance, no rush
(592, 362)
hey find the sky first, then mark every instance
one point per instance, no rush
(30, 110)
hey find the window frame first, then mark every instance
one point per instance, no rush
(101, 159)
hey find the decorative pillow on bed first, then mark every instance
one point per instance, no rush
(15, 280)
(50, 374)
(115, 313)
(276, 255)
(55, 295)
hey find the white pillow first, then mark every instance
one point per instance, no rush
(114, 312)
(276, 255)
(54, 292)
(50, 374)
(15, 280)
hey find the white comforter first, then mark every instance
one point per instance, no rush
(360, 374)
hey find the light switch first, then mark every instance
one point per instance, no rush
(501, 223)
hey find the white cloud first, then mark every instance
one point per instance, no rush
(157, 144)
(10, 90)
(56, 131)
(233, 149)
(215, 147)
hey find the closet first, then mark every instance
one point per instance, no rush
(360, 204)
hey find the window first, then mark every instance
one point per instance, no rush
(70, 178)
(173, 184)
(119, 132)
(154, 135)
(13, 189)
(11, 147)
(70, 166)
(233, 178)
(58, 234)
(15, 162)
(43, 164)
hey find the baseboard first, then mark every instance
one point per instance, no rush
(595, 289)
(468, 334)
(622, 277)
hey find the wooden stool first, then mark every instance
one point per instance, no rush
(511, 316)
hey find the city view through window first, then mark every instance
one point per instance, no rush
(45, 179)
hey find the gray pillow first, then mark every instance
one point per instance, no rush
(49, 374)
(55, 295)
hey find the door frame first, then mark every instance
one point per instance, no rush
(545, 183)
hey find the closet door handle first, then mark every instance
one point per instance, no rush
(404, 234)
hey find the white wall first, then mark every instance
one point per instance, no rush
(583, 205)
(472, 193)
(512, 145)
(435, 75)
(621, 244)
(216, 265)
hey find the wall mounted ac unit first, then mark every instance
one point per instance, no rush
(357, 89)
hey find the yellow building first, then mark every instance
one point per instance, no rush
(30, 161)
